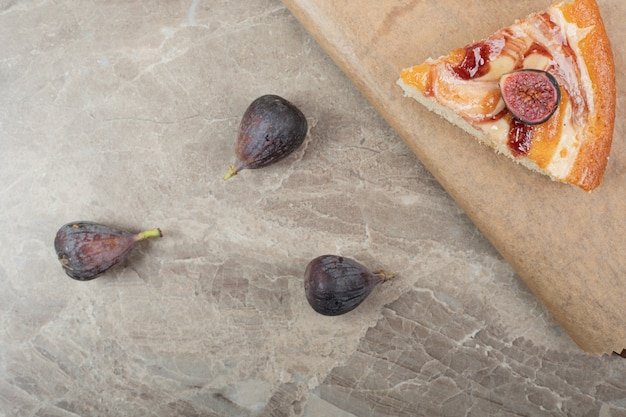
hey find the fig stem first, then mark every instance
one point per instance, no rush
(149, 233)
(386, 275)
(232, 171)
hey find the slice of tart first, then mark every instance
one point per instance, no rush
(484, 89)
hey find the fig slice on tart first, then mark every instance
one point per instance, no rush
(531, 95)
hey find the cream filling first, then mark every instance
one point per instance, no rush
(567, 151)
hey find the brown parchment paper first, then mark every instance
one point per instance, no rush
(567, 245)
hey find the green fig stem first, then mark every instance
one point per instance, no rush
(149, 233)
(386, 275)
(232, 171)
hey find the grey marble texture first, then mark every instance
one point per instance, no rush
(126, 113)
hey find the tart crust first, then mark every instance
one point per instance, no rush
(589, 167)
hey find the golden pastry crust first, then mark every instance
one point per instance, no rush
(568, 39)
(594, 153)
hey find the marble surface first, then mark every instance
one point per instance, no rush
(126, 113)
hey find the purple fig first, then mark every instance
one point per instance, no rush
(335, 285)
(270, 129)
(531, 96)
(87, 249)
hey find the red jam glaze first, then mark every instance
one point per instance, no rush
(476, 61)
(520, 137)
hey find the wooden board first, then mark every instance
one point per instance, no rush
(567, 245)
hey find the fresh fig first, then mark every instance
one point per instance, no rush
(335, 285)
(87, 249)
(531, 96)
(270, 129)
